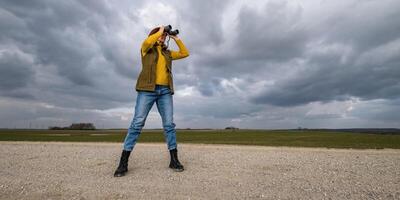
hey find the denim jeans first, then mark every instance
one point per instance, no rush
(144, 102)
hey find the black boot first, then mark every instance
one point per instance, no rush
(123, 164)
(175, 164)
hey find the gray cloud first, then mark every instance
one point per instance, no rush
(327, 78)
(352, 61)
(68, 41)
(15, 71)
(274, 33)
(267, 64)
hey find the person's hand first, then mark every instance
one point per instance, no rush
(174, 37)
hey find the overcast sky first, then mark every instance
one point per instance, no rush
(253, 64)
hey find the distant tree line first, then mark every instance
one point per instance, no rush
(231, 128)
(75, 126)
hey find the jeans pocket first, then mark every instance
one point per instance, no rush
(167, 91)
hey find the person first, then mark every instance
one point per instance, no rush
(154, 84)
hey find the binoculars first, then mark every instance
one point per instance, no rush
(168, 30)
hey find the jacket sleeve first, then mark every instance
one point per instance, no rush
(150, 41)
(182, 53)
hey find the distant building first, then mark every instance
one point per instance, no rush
(82, 126)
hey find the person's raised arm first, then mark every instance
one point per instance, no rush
(182, 53)
(151, 40)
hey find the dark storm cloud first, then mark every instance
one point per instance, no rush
(249, 61)
(72, 43)
(327, 79)
(352, 61)
(15, 74)
(209, 87)
(274, 33)
(13, 66)
(363, 24)
(56, 36)
(260, 40)
(202, 21)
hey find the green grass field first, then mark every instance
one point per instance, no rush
(291, 138)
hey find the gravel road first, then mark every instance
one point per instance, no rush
(65, 170)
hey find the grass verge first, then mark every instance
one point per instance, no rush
(290, 138)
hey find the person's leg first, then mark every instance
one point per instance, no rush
(144, 102)
(165, 108)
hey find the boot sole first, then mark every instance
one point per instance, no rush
(177, 170)
(120, 175)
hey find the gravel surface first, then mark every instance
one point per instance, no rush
(65, 170)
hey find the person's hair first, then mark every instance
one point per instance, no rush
(155, 30)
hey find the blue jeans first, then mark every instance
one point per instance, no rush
(144, 102)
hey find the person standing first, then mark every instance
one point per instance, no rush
(154, 85)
